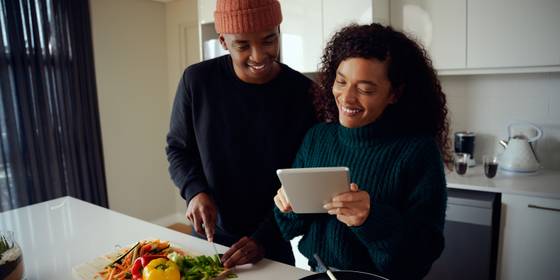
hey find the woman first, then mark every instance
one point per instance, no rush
(392, 133)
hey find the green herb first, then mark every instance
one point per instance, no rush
(198, 268)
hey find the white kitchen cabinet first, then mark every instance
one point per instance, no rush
(530, 238)
(440, 26)
(309, 24)
(301, 34)
(478, 36)
(206, 10)
(337, 14)
(513, 33)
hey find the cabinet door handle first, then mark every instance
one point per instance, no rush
(543, 208)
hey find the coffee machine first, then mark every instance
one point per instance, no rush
(464, 143)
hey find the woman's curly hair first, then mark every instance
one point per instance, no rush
(421, 104)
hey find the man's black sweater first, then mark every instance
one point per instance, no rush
(228, 137)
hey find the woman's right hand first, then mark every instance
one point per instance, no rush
(282, 202)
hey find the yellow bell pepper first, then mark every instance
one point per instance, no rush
(161, 269)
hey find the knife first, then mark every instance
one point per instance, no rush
(211, 241)
(216, 252)
(322, 265)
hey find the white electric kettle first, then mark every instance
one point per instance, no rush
(519, 155)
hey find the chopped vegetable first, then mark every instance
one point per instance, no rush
(133, 261)
(136, 270)
(198, 268)
(120, 259)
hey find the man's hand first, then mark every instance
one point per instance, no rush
(202, 211)
(351, 208)
(244, 251)
(282, 202)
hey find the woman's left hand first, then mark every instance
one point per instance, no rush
(351, 208)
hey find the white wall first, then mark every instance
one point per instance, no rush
(485, 104)
(182, 50)
(129, 39)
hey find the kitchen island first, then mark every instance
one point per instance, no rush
(61, 234)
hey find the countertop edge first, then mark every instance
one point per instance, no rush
(503, 190)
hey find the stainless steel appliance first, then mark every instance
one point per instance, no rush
(464, 143)
(471, 237)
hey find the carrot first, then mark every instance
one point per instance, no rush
(120, 266)
(121, 274)
(111, 274)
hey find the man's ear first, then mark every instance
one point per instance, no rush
(223, 42)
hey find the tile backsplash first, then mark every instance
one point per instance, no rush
(485, 104)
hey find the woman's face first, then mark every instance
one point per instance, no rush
(362, 91)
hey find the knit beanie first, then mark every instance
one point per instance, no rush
(245, 16)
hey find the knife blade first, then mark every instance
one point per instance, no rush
(216, 251)
(322, 265)
(210, 240)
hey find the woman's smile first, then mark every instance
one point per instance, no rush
(350, 111)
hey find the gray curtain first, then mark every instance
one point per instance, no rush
(50, 144)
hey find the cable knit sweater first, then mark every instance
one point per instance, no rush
(404, 177)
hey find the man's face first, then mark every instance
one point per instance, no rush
(253, 54)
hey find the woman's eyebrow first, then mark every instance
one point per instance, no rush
(359, 81)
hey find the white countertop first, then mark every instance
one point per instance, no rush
(543, 183)
(62, 233)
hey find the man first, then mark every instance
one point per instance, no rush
(235, 120)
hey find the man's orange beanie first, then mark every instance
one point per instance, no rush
(245, 16)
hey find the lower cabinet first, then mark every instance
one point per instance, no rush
(530, 238)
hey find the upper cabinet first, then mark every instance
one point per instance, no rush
(461, 36)
(308, 24)
(440, 26)
(301, 34)
(206, 10)
(477, 36)
(337, 14)
(513, 33)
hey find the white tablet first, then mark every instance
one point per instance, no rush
(308, 189)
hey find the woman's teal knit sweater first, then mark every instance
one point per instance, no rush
(404, 177)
